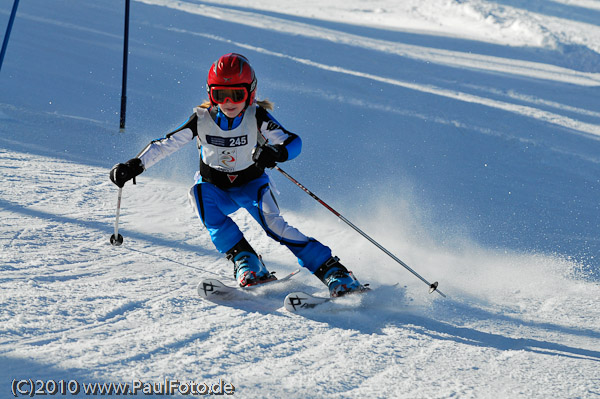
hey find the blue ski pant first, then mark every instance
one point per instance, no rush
(214, 205)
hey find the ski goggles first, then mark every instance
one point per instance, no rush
(220, 94)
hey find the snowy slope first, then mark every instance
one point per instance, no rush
(475, 125)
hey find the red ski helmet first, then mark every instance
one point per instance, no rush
(232, 70)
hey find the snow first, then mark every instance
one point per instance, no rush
(476, 127)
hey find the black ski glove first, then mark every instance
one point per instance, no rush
(268, 155)
(123, 172)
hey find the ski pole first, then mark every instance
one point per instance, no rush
(432, 286)
(117, 239)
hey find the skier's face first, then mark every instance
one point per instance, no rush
(230, 109)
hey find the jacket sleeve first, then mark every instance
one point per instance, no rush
(161, 148)
(275, 134)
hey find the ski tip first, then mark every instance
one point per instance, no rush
(213, 288)
(205, 288)
(298, 301)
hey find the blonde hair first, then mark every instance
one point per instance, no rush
(266, 104)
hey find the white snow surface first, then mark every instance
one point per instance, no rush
(461, 135)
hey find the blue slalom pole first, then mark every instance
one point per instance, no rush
(125, 56)
(8, 29)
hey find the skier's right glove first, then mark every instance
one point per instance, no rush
(123, 172)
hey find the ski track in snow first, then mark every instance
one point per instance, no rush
(528, 111)
(512, 23)
(441, 56)
(74, 307)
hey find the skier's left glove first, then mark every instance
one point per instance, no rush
(123, 172)
(268, 155)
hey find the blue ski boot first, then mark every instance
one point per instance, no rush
(248, 269)
(337, 278)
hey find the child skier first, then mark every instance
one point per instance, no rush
(237, 139)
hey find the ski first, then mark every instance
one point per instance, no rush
(215, 290)
(298, 301)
